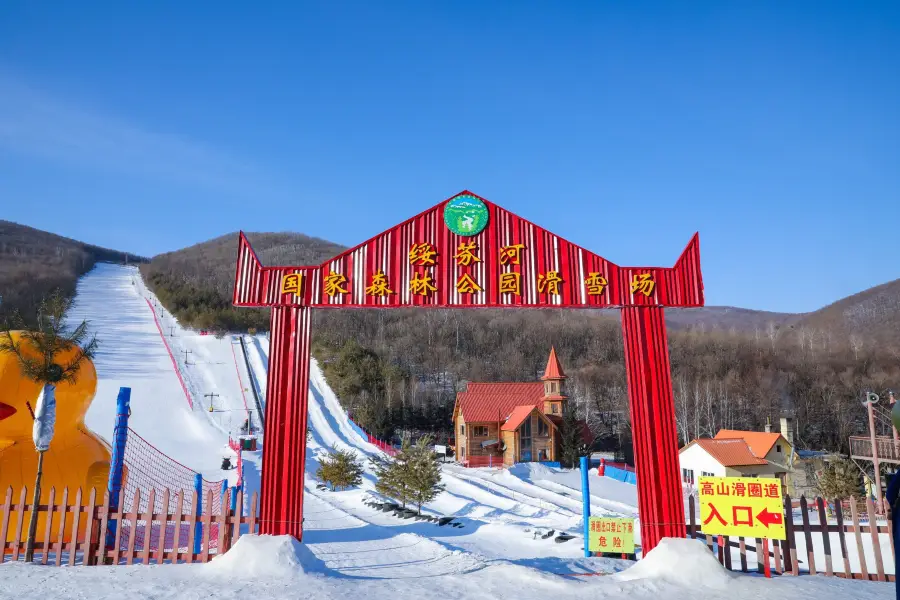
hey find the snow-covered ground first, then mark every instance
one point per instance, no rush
(279, 568)
(350, 548)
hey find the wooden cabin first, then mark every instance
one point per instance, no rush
(507, 423)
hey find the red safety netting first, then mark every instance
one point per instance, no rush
(147, 468)
(385, 447)
(382, 445)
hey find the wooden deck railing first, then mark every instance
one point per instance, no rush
(861, 447)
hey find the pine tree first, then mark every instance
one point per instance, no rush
(423, 476)
(839, 480)
(388, 474)
(571, 444)
(412, 476)
(340, 469)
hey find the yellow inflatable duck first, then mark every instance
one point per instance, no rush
(76, 458)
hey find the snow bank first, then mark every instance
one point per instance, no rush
(260, 556)
(681, 561)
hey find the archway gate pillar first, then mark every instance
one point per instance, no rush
(471, 253)
(653, 432)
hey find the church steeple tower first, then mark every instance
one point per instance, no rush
(554, 378)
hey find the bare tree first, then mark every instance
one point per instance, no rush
(856, 344)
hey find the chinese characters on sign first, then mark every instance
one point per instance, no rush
(378, 286)
(741, 506)
(595, 284)
(422, 254)
(511, 281)
(611, 535)
(549, 283)
(290, 284)
(427, 273)
(421, 284)
(465, 256)
(467, 285)
(510, 254)
(333, 284)
(642, 284)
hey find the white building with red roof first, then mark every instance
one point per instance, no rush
(734, 453)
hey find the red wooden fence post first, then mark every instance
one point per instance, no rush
(287, 392)
(660, 502)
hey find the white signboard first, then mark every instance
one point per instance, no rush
(440, 449)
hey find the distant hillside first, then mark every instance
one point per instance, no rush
(196, 283)
(33, 263)
(727, 318)
(872, 315)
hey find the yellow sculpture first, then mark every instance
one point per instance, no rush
(76, 458)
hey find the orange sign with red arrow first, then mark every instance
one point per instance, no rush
(742, 507)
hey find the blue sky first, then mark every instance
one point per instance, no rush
(772, 128)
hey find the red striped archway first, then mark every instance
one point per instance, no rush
(516, 264)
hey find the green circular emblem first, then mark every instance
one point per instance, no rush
(466, 215)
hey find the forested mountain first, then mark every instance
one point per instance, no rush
(732, 367)
(33, 263)
(196, 283)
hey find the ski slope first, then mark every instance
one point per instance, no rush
(133, 353)
(503, 512)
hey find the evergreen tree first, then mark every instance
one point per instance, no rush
(413, 476)
(839, 480)
(388, 474)
(340, 469)
(571, 444)
(423, 476)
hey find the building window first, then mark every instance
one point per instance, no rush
(543, 429)
(479, 431)
(687, 475)
(778, 448)
(554, 408)
(706, 474)
(525, 441)
(462, 429)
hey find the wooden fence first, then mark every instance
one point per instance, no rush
(860, 544)
(145, 537)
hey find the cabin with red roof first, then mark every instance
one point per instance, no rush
(507, 423)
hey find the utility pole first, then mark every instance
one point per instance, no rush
(211, 396)
(894, 428)
(186, 352)
(871, 400)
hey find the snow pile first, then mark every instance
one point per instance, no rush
(260, 556)
(681, 561)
